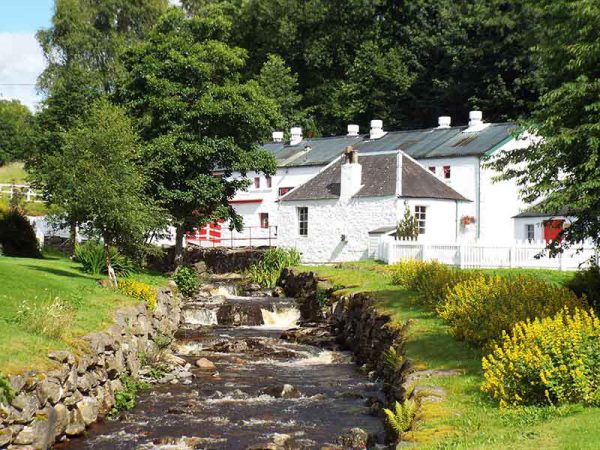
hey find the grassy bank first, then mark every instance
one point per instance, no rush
(465, 419)
(34, 283)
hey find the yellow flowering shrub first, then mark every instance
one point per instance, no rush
(480, 309)
(553, 360)
(434, 279)
(405, 271)
(139, 290)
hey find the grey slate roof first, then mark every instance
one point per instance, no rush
(419, 144)
(541, 210)
(379, 180)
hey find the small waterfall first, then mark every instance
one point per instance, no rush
(200, 316)
(283, 318)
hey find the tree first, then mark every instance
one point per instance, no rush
(17, 131)
(197, 116)
(82, 48)
(408, 227)
(99, 179)
(564, 165)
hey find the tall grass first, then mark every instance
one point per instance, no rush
(48, 318)
(266, 272)
(90, 255)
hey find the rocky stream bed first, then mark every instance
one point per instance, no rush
(236, 384)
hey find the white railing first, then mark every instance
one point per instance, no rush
(484, 255)
(23, 189)
(248, 237)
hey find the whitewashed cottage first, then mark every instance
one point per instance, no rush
(329, 217)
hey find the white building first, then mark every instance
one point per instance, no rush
(329, 218)
(537, 223)
(456, 155)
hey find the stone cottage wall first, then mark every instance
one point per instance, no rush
(62, 402)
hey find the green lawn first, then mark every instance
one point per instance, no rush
(465, 419)
(31, 282)
(13, 173)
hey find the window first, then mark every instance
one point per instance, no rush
(447, 172)
(264, 220)
(257, 182)
(269, 181)
(530, 232)
(420, 215)
(432, 169)
(302, 220)
(284, 190)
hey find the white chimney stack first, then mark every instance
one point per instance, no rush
(295, 135)
(351, 177)
(353, 130)
(376, 129)
(475, 118)
(277, 136)
(444, 121)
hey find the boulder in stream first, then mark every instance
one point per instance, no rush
(355, 438)
(205, 364)
(282, 391)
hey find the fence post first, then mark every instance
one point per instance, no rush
(461, 256)
(424, 252)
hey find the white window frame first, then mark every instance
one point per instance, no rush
(302, 213)
(421, 216)
(530, 227)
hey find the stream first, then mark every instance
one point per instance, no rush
(263, 392)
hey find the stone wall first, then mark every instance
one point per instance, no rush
(62, 402)
(213, 260)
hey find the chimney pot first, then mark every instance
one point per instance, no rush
(376, 129)
(475, 118)
(295, 135)
(277, 136)
(353, 130)
(444, 121)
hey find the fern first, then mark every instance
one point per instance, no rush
(392, 359)
(400, 420)
(6, 391)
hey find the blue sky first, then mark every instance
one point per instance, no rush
(21, 59)
(24, 16)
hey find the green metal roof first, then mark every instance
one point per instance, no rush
(420, 144)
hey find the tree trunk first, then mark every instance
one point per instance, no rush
(179, 234)
(72, 242)
(112, 277)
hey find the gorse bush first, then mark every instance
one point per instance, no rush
(186, 280)
(266, 272)
(553, 360)
(433, 280)
(90, 255)
(478, 310)
(405, 272)
(48, 318)
(17, 236)
(139, 290)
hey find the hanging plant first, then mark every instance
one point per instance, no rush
(467, 220)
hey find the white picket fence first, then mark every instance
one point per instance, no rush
(29, 194)
(523, 254)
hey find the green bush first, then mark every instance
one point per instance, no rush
(478, 310)
(266, 272)
(553, 360)
(434, 279)
(187, 280)
(90, 255)
(6, 391)
(587, 282)
(17, 236)
(405, 272)
(125, 399)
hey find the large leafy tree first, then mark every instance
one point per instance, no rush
(563, 166)
(197, 115)
(98, 177)
(17, 131)
(82, 48)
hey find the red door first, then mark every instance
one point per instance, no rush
(552, 228)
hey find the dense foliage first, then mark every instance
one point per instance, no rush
(266, 272)
(408, 227)
(553, 360)
(587, 282)
(186, 280)
(479, 310)
(17, 236)
(17, 131)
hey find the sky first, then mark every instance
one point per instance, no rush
(21, 59)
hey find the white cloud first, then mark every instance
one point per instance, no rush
(21, 62)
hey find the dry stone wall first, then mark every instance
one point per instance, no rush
(62, 402)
